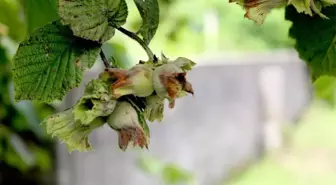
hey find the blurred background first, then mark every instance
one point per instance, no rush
(254, 119)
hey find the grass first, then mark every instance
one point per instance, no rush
(309, 160)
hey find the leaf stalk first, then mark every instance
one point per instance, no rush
(133, 36)
(104, 59)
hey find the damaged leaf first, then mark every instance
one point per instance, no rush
(154, 108)
(93, 20)
(184, 63)
(312, 6)
(169, 81)
(96, 102)
(257, 10)
(74, 134)
(302, 6)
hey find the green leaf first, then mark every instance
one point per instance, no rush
(150, 14)
(96, 102)
(326, 3)
(315, 39)
(3, 58)
(43, 158)
(316, 6)
(310, 6)
(141, 117)
(39, 13)
(184, 63)
(9, 16)
(154, 108)
(173, 174)
(150, 165)
(325, 88)
(302, 6)
(50, 62)
(94, 20)
(73, 133)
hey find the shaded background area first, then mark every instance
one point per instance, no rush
(251, 121)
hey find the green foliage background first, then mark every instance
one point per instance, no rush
(182, 32)
(25, 151)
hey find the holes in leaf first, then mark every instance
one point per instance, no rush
(88, 104)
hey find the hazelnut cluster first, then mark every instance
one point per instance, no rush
(125, 99)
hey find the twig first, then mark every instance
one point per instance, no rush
(133, 36)
(104, 59)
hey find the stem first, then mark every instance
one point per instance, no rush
(133, 36)
(104, 59)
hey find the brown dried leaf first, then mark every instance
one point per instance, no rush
(175, 83)
(120, 76)
(257, 10)
(135, 134)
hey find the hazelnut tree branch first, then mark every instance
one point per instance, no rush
(104, 59)
(151, 56)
